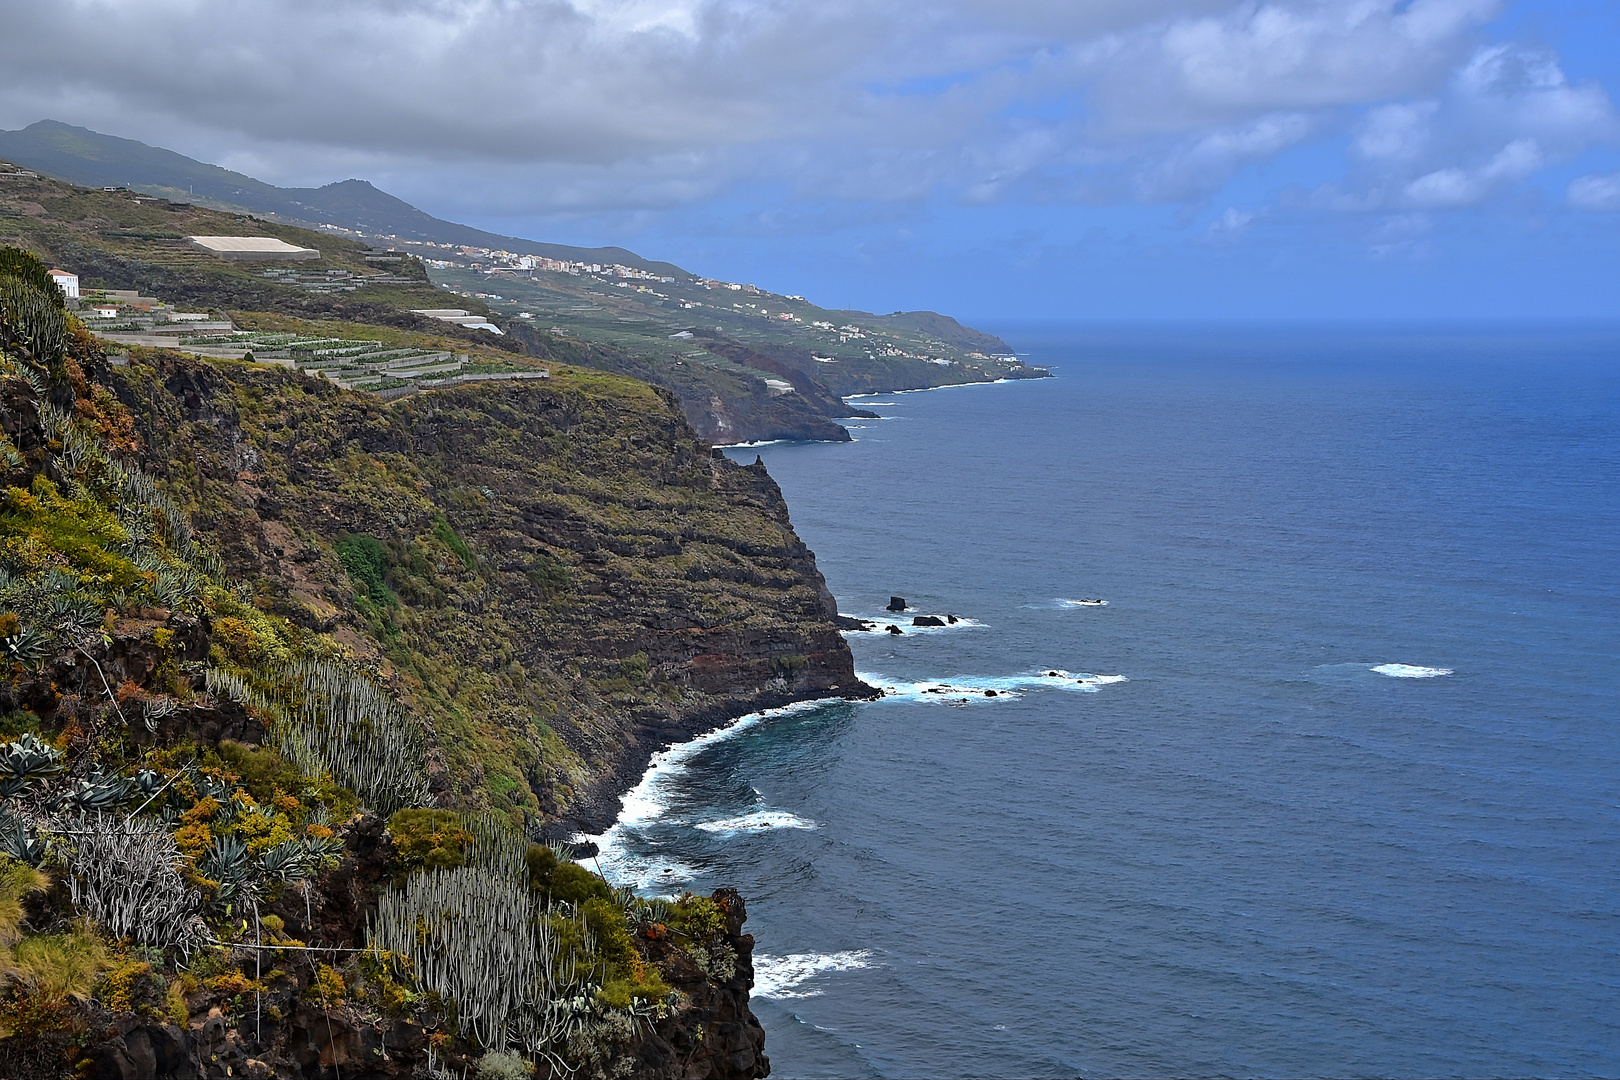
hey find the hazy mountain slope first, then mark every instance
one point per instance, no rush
(90, 158)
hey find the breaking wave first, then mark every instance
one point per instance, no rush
(780, 976)
(962, 689)
(648, 803)
(757, 821)
(1411, 671)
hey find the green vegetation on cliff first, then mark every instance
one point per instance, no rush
(293, 679)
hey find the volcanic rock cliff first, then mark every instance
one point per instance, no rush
(292, 678)
(559, 575)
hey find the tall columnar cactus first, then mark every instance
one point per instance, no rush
(346, 726)
(32, 327)
(469, 935)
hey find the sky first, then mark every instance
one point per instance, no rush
(994, 159)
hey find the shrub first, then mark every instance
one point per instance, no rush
(366, 560)
(40, 522)
(17, 880)
(327, 987)
(563, 881)
(57, 965)
(447, 536)
(500, 1066)
(548, 575)
(118, 987)
(428, 839)
(262, 772)
(697, 917)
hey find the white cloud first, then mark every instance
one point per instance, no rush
(581, 106)
(1231, 225)
(1259, 58)
(1506, 114)
(1595, 192)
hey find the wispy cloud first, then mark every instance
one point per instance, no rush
(1595, 192)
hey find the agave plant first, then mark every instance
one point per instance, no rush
(19, 840)
(25, 761)
(99, 791)
(293, 860)
(28, 645)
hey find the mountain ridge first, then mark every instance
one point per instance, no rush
(82, 156)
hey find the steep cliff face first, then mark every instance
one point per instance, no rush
(291, 679)
(560, 576)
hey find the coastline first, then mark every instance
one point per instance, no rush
(639, 803)
(880, 394)
(600, 815)
(597, 820)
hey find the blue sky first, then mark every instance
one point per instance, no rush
(1100, 159)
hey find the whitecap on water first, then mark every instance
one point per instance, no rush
(757, 821)
(1411, 671)
(1062, 603)
(968, 688)
(780, 976)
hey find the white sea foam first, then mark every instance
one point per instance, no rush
(758, 821)
(780, 976)
(903, 620)
(1062, 603)
(649, 801)
(1411, 671)
(962, 689)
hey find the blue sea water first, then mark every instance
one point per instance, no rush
(1330, 786)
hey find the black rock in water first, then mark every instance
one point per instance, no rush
(952, 619)
(897, 603)
(927, 620)
(893, 629)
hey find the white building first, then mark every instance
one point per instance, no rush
(68, 282)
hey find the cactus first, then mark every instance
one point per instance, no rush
(518, 975)
(124, 874)
(468, 935)
(32, 327)
(345, 726)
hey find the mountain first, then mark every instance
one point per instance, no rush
(92, 159)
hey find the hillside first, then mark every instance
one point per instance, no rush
(293, 678)
(746, 364)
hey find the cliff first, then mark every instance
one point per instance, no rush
(293, 678)
(569, 579)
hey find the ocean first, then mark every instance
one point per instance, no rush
(1329, 786)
